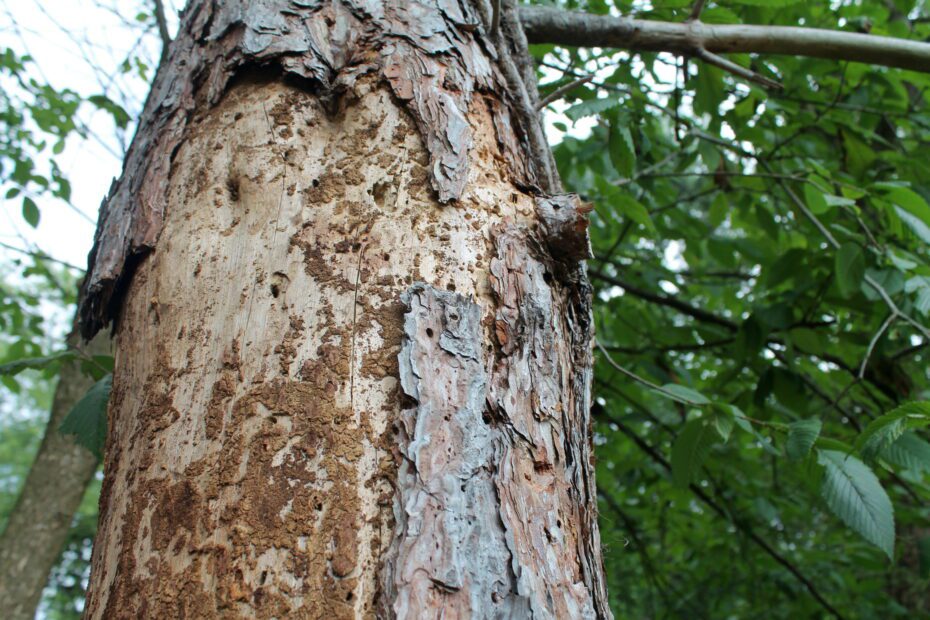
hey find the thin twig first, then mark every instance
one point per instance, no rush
(162, 21)
(40, 255)
(731, 67)
(649, 171)
(868, 352)
(495, 17)
(635, 377)
(558, 93)
(696, 11)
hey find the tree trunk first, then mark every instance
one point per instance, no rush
(353, 334)
(40, 520)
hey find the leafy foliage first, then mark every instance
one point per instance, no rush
(856, 496)
(87, 421)
(801, 437)
(768, 252)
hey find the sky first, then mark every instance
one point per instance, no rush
(78, 44)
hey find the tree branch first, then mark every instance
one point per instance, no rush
(162, 21)
(576, 29)
(558, 93)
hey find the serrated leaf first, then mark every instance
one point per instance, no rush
(908, 452)
(849, 269)
(723, 422)
(690, 450)
(591, 107)
(624, 203)
(801, 437)
(854, 494)
(17, 366)
(622, 151)
(683, 394)
(884, 430)
(87, 420)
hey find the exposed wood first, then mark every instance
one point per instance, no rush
(437, 71)
(577, 29)
(39, 522)
(264, 416)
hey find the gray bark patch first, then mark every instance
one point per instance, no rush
(450, 552)
(488, 521)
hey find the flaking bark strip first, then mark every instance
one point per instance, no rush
(540, 386)
(431, 53)
(488, 522)
(450, 556)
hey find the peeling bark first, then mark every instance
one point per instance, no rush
(490, 523)
(426, 51)
(280, 445)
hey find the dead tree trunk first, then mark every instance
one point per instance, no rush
(353, 327)
(38, 527)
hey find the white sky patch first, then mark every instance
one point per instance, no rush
(79, 45)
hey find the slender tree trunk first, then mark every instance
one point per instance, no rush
(40, 520)
(353, 332)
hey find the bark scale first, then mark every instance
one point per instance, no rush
(351, 378)
(38, 526)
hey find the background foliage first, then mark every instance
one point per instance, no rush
(46, 125)
(763, 296)
(764, 256)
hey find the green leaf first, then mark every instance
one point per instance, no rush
(591, 107)
(801, 437)
(854, 494)
(30, 211)
(87, 420)
(690, 450)
(683, 394)
(620, 146)
(624, 203)
(764, 3)
(886, 429)
(814, 199)
(910, 201)
(917, 225)
(119, 114)
(909, 452)
(17, 366)
(850, 269)
(723, 422)
(859, 155)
